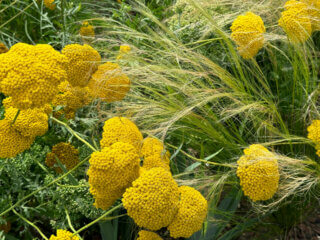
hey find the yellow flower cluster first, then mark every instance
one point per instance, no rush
(109, 83)
(83, 61)
(153, 199)
(154, 154)
(49, 4)
(120, 129)
(11, 141)
(67, 154)
(111, 171)
(31, 74)
(191, 214)
(29, 123)
(258, 173)
(3, 48)
(247, 32)
(87, 30)
(296, 21)
(72, 98)
(63, 235)
(124, 49)
(314, 134)
(147, 235)
(313, 7)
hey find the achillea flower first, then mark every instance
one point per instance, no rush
(247, 32)
(71, 98)
(67, 154)
(153, 199)
(3, 48)
(11, 141)
(191, 214)
(29, 123)
(154, 154)
(49, 4)
(313, 7)
(109, 83)
(120, 129)
(314, 134)
(87, 30)
(147, 235)
(111, 171)
(258, 173)
(31, 74)
(124, 49)
(63, 235)
(295, 21)
(83, 62)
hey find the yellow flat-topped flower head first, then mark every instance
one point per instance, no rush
(147, 235)
(87, 30)
(63, 235)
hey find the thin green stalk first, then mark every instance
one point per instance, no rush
(44, 187)
(74, 133)
(70, 224)
(202, 160)
(30, 223)
(98, 219)
(15, 117)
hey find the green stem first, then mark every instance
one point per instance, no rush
(30, 223)
(202, 160)
(44, 187)
(74, 133)
(15, 117)
(98, 219)
(70, 224)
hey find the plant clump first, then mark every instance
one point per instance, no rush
(247, 32)
(258, 172)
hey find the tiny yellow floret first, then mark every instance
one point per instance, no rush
(258, 172)
(63, 235)
(120, 129)
(67, 154)
(111, 171)
(191, 214)
(83, 62)
(109, 83)
(247, 32)
(153, 199)
(147, 235)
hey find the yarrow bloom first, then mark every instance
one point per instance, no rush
(31, 74)
(313, 7)
(63, 235)
(11, 141)
(191, 214)
(154, 154)
(50, 4)
(3, 48)
(153, 199)
(147, 235)
(71, 98)
(314, 134)
(67, 154)
(83, 62)
(258, 172)
(111, 171)
(296, 21)
(247, 32)
(120, 129)
(87, 30)
(124, 49)
(109, 83)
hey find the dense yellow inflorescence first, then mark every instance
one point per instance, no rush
(296, 21)
(67, 154)
(3, 48)
(314, 134)
(258, 172)
(247, 32)
(124, 49)
(120, 129)
(191, 214)
(71, 98)
(112, 171)
(87, 30)
(29, 122)
(153, 199)
(31, 74)
(147, 235)
(83, 62)
(49, 4)
(63, 235)
(313, 8)
(154, 154)
(11, 141)
(109, 83)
